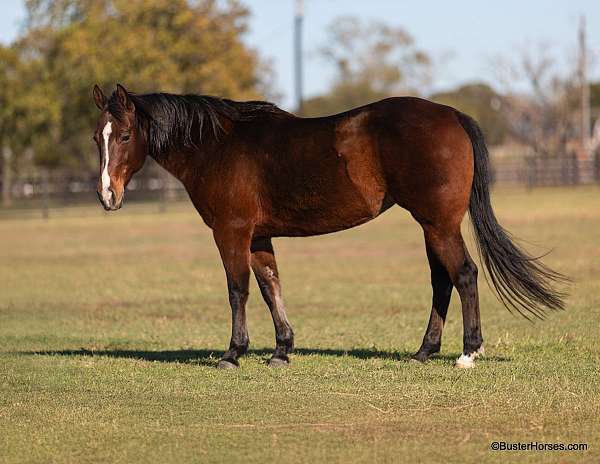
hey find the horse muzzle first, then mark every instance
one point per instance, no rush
(109, 200)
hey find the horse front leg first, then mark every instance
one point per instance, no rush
(234, 247)
(265, 269)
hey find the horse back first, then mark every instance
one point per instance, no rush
(320, 175)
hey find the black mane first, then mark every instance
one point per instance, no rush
(181, 121)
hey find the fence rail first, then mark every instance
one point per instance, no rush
(152, 184)
(538, 171)
(67, 190)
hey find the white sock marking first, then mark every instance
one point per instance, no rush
(105, 176)
(466, 362)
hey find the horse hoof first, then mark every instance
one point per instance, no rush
(420, 358)
(468, 361)
(465, 362)
(278, 362)
(226, 364)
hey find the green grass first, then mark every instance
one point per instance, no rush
(111, 326)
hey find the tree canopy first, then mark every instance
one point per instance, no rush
(147, 45)
(372, 61)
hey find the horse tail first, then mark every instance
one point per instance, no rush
(520, 280)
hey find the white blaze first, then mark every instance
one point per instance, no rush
(105, 176)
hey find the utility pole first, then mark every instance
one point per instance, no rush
(584, 93)
(298, 19)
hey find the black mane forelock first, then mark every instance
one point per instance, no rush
(175, 122)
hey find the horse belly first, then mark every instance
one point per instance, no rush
(340, 188)
(329, 210)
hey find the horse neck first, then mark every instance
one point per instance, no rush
(185, 164)
(172, 163)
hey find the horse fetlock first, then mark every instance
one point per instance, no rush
(238, 346)
(285, 342)
(426, 351)
(242, 348)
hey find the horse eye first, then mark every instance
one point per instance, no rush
(124, 137)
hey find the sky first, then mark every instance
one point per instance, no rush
(463, 36)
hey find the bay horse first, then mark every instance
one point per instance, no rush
(254, 172)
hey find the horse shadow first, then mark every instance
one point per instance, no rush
(208, 357)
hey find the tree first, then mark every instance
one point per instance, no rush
(148, 45)
(539, 105)
(7, 85)
(27, 112)
(595, 95)
(372, 61)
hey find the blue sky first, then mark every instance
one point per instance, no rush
(468, 33)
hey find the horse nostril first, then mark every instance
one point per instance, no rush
(107, 198)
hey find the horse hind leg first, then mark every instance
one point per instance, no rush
(449, 249)
(442, 291)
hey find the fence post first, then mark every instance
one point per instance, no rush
(565, 171)
(576, 170)
(45, 193)
(164, 197)
(531, 168)
(6, 178)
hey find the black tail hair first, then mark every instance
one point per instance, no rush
(521, 281)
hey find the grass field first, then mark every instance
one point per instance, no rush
(111, 327)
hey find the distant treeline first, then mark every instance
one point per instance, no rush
(66, 46)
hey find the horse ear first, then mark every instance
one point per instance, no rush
(99, 98)
(124, 99)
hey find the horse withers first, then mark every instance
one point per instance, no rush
(254, 172)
